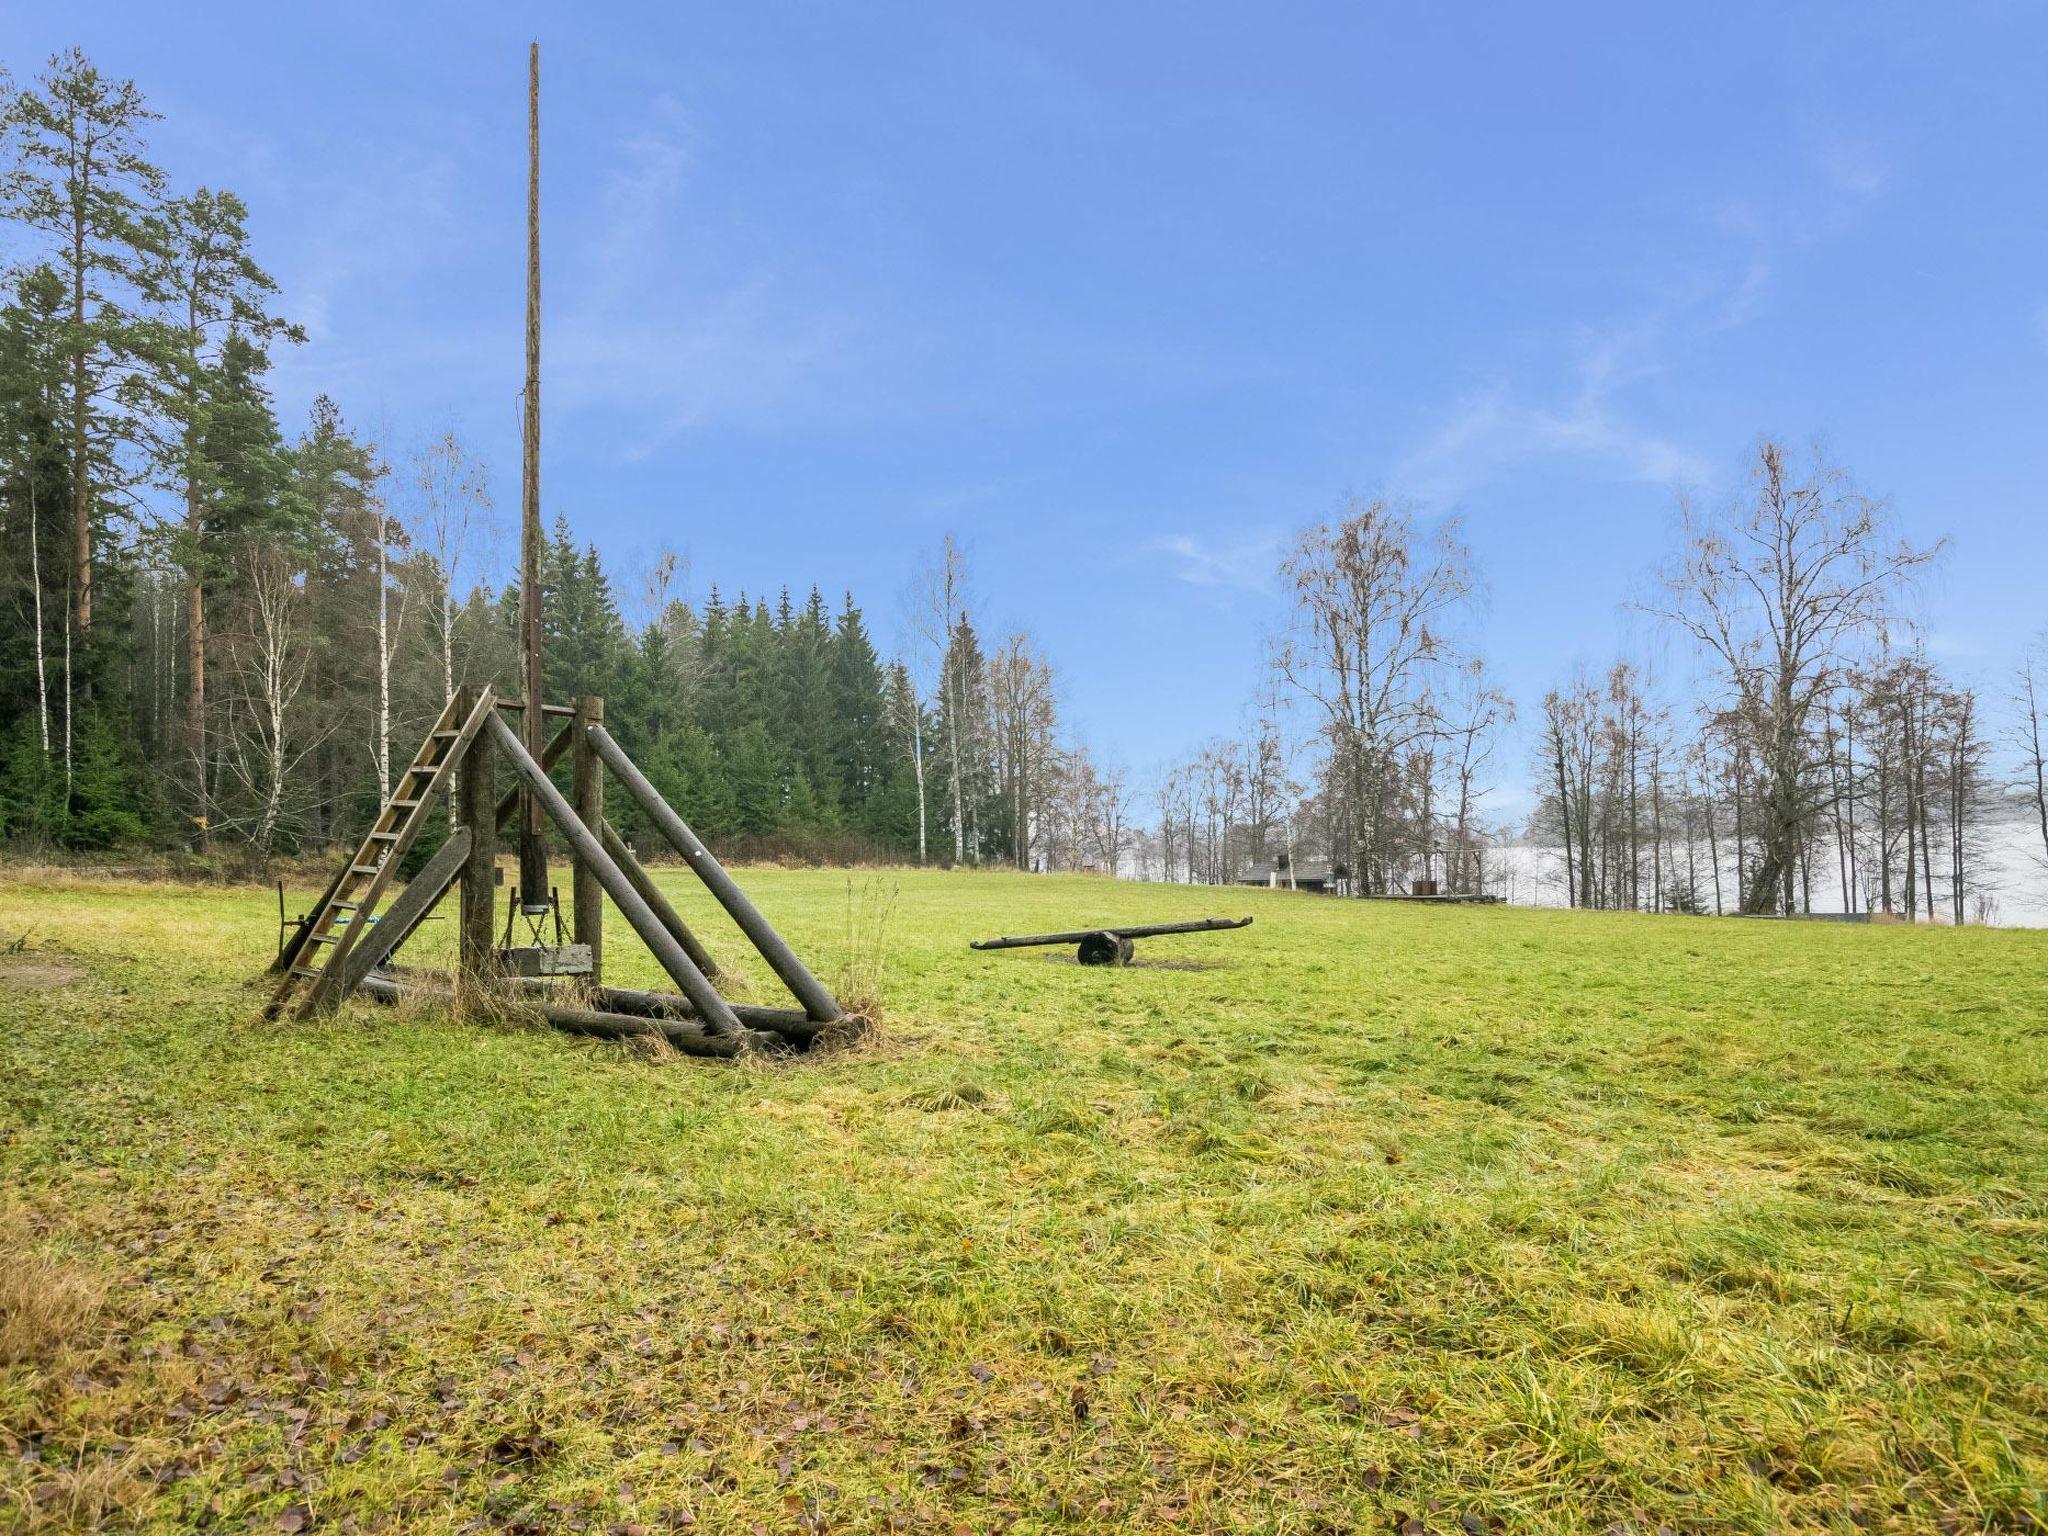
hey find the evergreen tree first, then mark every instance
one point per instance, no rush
(85, 183)
(863, 762)
(34, 498)
(217, 445)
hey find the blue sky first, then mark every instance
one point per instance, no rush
(1122, 295)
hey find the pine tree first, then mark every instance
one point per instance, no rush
(862, 760)
(86, 184)
(206, 354)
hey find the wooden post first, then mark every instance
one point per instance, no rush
(586, 894)
(479, 870)
(533, 847)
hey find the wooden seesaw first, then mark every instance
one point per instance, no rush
(1111, 946)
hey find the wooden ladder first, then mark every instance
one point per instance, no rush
(317, 953)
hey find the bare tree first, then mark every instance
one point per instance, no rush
(1372, 594)
(2031, 737)
(1779, 591)
(938, 601)
(1477, 712)
(385, 528)
(270, 652)
(1024, 726)
(35, 584)
(453, 494)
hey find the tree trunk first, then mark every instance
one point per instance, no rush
(81, 395)
(917, 767)
(195, 643)
(35, 578)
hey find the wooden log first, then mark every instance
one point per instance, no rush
(806, 988)
(710, 1007)
(1114, 930)
(687, 1034)
(1104, 949)
(509, 802)
(586, 896)
(655, 897)
(421, 894)
(791, 1023)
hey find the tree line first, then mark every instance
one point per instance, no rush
(1814, 756)
(224, 632)
(221, 631)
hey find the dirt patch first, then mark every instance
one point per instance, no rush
(37, 973)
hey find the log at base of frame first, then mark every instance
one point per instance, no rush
(688, 1035)
(793, 1024)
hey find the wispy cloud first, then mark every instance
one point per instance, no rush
(1236, 565)
(1494, 432)
(1584, 413)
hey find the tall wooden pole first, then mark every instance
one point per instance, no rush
(533, 848)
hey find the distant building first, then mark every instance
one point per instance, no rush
(1308, 874)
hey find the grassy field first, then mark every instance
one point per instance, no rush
(1379, 1218)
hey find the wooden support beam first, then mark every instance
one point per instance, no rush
(481, 815)
(655, 897)
(321, 996)
(689, 1035)
(586, 896)
(791, 1023)
(711, 1008)
(806, 988)
(421, 894)
(509, 802)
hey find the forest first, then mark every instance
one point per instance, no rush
(223, 632)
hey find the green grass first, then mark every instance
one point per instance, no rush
(1390, 1218)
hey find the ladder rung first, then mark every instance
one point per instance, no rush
(300, 970)
(340, 905)
(364, 869)
(403, 804)
(384, 837)
(445, 735)
(325, 938)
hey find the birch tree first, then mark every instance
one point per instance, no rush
(1779, 592)
(453, 496)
